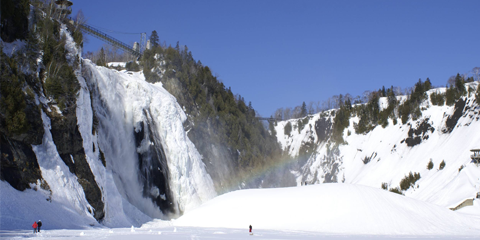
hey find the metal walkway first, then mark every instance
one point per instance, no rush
(108, 39)
(268, 119)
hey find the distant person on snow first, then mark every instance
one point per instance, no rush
(39, 225)
(35, 227)
(250, 228)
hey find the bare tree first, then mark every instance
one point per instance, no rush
(348, 97)
(279, 114)
(397, 91)
(311, 108)
(335, 101)
(297, 112)
(357, 100)
(318, 106)
(113, 54)
(451, 81)
(366, 96)
(476, 73)
(287, 113)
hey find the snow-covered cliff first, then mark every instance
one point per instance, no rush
(386, 155)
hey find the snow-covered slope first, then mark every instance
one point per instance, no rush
(383, 156)
(330, 208)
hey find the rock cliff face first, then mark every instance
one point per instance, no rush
(24, 98)
(19, 166)
(69, 145)
(153, 167)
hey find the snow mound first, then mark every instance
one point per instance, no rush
(30, 206)
(330, 208)
(117, 64)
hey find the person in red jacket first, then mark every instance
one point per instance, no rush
(35, 227)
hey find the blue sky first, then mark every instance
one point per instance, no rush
(280, 53)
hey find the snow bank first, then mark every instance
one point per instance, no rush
(117, 64)
(18, 210)
(330, 208)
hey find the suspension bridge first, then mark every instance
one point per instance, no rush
(268, 119)
(109, 39)
(64, 8)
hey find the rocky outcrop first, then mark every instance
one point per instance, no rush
(18, 163)
(323, 128)
(417, 134)
(451, 121)
(69, 142)
(153, 168)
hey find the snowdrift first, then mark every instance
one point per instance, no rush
(330, 208)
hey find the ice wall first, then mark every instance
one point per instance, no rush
(141, 134)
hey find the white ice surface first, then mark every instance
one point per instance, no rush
(126, 101)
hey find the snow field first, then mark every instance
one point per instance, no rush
(325, 211)
(330, 208)
(183, 233)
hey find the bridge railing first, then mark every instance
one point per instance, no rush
(268, 119)
(103, 36)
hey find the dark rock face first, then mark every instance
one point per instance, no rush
(416, 135)
(69, 142)
(452, 120)
(153, 168)
(331, 165)
(323, 128)
(306, 150)
(18, 162)
(14, 19)
(19, 165)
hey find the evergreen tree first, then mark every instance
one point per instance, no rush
(477, 95)
(101, 58)
(442, 165)
(430, 165)
(14, 19)
(304, 110)
(428, 84)
(154, 39)
(460, 84)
